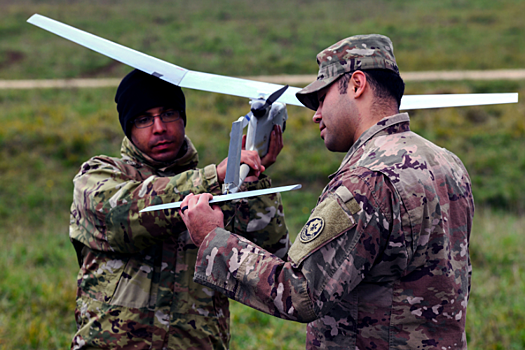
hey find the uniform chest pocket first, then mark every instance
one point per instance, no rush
(138, 285)
(100, 276)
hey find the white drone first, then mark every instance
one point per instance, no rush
(268, 101)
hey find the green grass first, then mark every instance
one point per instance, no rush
(37, 284)
(495, 316)
(46, 134)
(253, 330)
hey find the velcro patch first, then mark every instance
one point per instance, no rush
(210, 171)
(327, 221)
(347, 197)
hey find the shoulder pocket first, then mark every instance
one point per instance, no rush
(329, 219)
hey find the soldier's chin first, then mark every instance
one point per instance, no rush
(335, 148)
(164, 156)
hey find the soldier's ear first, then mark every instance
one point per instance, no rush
(358, 83)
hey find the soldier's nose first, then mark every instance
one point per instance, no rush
(158, 125)
(317, 116)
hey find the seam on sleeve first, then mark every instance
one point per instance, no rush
(377, 203)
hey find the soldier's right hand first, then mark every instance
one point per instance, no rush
(199, 217)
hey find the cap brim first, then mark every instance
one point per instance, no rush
(308, 95)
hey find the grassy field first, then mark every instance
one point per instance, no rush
(46, 134)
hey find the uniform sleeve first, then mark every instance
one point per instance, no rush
(108, 197)
(261, 219)
(332, 254)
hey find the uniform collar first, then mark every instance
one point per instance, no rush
(187, 157)
(388, 125)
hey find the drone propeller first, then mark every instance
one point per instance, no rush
(259, 109)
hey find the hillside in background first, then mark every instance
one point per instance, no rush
(252, 37)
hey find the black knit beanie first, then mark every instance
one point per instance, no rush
(139, 91)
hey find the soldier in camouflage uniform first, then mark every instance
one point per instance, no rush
(383, 261)
(135, 285)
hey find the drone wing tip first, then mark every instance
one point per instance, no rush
(30, 19)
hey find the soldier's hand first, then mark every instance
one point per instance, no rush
(200, 218)
(275, 146)
(250, 158)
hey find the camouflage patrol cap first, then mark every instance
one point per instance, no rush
(359, 52)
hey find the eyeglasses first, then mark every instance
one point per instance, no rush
(147, 120)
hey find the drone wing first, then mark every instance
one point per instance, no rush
(236, 86)
(167, 71)
(228, 197)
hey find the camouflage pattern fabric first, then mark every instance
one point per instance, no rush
(382, 263)
(135, 284)
(358, 52)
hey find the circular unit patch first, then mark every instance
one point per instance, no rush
(311, 230)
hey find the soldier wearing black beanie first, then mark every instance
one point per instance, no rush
(136, 285)
(139, 91)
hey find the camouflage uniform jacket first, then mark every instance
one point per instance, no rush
(383, 261)
(135, 285)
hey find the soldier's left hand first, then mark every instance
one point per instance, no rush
(251, 158)
(200, 218)
(274, 146)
